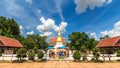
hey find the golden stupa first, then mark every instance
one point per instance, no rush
(59, 41)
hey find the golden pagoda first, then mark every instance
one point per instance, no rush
(59, 39)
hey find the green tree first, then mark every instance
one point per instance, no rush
(96, 54)
(118, 53)
(35, 42)
(78, 39)
(21, 53)
(91, 43)
(9, 27)
(76, 56)
(31, 55)
(84, 53)
(0, 52)
(82, 43)
(40, 55)
(104, 37)
(28, 44)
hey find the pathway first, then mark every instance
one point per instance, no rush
(60, 64)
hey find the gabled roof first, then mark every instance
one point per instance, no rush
(54, 39)
(109, 42)
(9, 42)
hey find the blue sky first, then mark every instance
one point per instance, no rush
(46, 17)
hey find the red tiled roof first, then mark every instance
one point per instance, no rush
(9, 42)
(55, 39)
(109, 42)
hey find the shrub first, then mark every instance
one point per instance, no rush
(118, 53)
(21, 53)
(0, 52)
(76, 56)
(96, 54)
(31, 55)
(40, 55)
(84, 56)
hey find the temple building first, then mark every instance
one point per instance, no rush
(8, 45)
(109, 42)
(57, 48)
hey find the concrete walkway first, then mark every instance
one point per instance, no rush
(60, 64)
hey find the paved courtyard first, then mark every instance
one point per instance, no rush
(60, 64)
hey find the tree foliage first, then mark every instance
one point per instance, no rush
(0, 52)
(76, 55)
(40, 55)
(118, 53)
(81, 41)
(96, 54)
(31, 55)
(78, 39)
(21, 53)
(35, 42)
(9, 27)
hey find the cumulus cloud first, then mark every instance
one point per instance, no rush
(48, 25)
(82, 5)
(30, 33)
(29, 1)
(21, 29)
(61, 27)
(46, 34)
(93, 35)
(113, 32)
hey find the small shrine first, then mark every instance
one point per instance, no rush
(57, 48)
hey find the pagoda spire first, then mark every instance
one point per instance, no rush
(59, 39)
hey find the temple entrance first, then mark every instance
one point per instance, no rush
(57, 48)
(58, 53)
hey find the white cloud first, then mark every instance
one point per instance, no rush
(39, 11)
(46, 34)
(15, 10)
(93, 35)
(61, 27)
(21, 29)
(82, 5)
(113, 32)
(109, 1)
(29, 1)
(48, 25)
(30, 33)
(58, 7)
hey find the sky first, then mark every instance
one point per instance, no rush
(47, 17)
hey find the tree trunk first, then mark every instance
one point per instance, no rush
(109, 57)
(103, 57)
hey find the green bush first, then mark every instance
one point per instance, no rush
(118, 53)
(21, 53)
(84, 56)
(31, 55)
(96, 54)
(40, 55)
(76, 56)
(0, 52)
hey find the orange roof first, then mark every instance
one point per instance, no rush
(55, 39)
(9, 42)
(109, 42)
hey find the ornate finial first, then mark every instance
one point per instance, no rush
(59, 32)
(59, 36)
